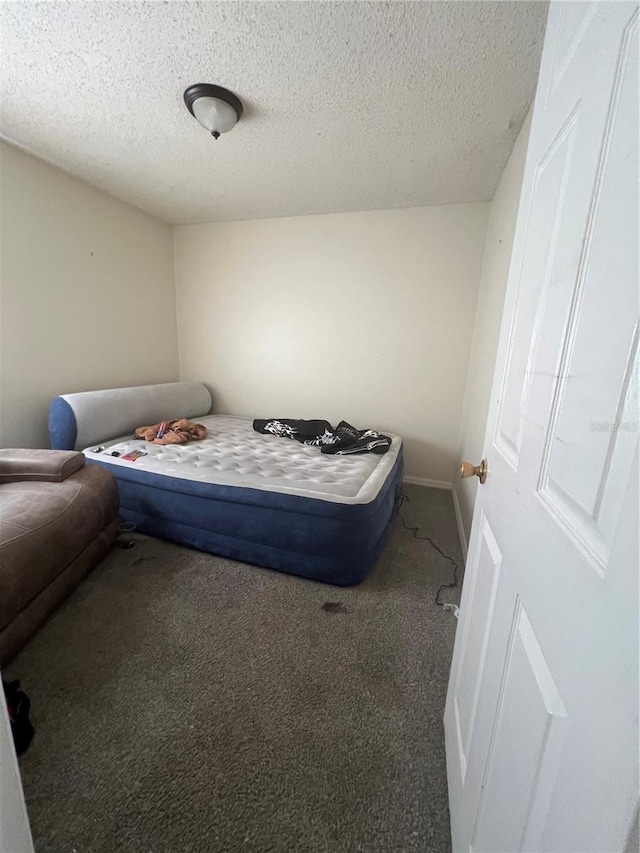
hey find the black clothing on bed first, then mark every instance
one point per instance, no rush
(341, 440)
(352, 440)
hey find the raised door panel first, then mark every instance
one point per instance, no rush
(484, 575)
(570, 30)
(593, 423)
(525, 749)
(542, 236)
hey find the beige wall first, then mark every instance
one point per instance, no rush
(493, 282)
(362, 316)
(86, 294)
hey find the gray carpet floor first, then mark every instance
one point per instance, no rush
(183, 702)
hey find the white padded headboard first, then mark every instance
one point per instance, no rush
(79, 420)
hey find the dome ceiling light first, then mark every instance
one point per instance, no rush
(217, 109)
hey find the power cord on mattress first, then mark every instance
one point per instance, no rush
(401, 498)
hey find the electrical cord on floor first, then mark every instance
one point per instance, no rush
(401, 498)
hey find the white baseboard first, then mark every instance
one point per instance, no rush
(431, 484)
(461, 533)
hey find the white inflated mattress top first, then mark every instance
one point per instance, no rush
(234, 454)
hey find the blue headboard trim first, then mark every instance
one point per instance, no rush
(63, 429)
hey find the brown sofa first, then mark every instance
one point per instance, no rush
(58, 517)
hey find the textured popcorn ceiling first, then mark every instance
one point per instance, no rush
(348, 105)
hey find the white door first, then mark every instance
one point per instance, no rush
(542, 710)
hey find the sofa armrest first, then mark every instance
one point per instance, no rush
(50, 466)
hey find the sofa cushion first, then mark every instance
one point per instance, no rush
(44, 526)
(51, 466)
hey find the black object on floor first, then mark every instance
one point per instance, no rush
(416, 531)
(18, 707)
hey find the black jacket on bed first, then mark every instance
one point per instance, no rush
(341, 440)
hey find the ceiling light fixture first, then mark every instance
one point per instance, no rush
(217, 109)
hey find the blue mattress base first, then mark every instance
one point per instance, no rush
(325, 541)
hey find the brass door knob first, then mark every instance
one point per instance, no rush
(469, 470)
